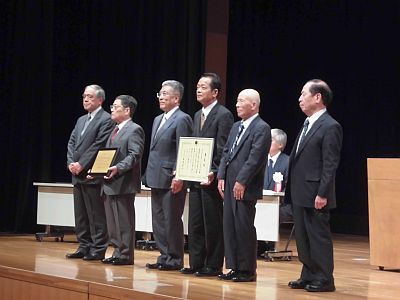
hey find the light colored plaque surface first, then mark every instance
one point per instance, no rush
(103, 161)
(194, 158)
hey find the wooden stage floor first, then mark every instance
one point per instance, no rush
(28, 267)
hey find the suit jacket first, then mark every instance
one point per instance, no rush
(281, 165)
(217, 125)
(83, 149)
(130, 143)
(247, 163)
(164, 149)
(312, 169)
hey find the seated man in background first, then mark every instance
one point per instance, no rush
(277, 162)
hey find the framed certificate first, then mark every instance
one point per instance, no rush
(105, 158)
(194, 158)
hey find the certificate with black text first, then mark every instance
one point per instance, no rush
(194, 158)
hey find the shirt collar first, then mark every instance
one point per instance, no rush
(207, 110)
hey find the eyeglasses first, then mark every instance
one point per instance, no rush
(115, 107)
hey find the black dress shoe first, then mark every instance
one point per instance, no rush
(244, 277)
(152, 266)
(298, 284)
(108, 260)
(163, 267)
(121, 261)
(229, 275)
(188, 271)
(76, 254)
(91, 256)
(317, 286)
(207, 271)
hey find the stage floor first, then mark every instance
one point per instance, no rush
(24, 259)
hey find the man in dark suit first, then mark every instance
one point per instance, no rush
(277, 162)
(123, 181)
(90, 133)
(311, 187)
(240, 183)
(206, 241)
(167, 193)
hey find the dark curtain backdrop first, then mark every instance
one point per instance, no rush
(276, 46)
(50, 50)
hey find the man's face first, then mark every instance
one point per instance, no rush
(275, 147)
(118, 112)
(205, 95)
(168, 98)
(90, 101)
(307, 101)
(245, 106)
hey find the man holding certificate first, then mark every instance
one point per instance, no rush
(89, 135)
(123, 180)
(206, 241)
(240, 183)
(167, 193)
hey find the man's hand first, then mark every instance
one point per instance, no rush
(112, 171)
(320, 202)
(221, 187)
(209, 180)
(176, 186)
(238, 190)
(75, 168)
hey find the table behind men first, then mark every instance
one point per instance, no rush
(56, 208)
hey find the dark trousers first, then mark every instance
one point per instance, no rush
(90, 219)
(167, 209)
(205, 228)
(240, 235)
(314, 243)
(120, 211)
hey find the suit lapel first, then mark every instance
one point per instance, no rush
(311, 132)
(166, 125)
(89, 127)
(210, 117)
(245, 135)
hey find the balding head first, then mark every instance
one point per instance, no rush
(248, 103)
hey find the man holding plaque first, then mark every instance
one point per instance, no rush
(240, 183)
(167, 193)
(123, 180)
(206, 240)
(89, 135)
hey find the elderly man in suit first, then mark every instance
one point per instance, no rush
(311, 187)
(123, 180)
(167, 193)
(89, 135)
(206, 241)
(277, 162)
(240, 183)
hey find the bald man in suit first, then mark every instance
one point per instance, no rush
(311, 187)
(240, 183)
(167, 193)
(89, 135)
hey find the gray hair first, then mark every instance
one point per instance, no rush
(280, 136)
(176, 86)
(99, 91)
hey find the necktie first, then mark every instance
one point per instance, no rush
(114, 134)
(270, 171)
(240, 130)
(88, 119)
(202, 120)
(303, 135)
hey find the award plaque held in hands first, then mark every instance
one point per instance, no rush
(194, 158)
(105, 158)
